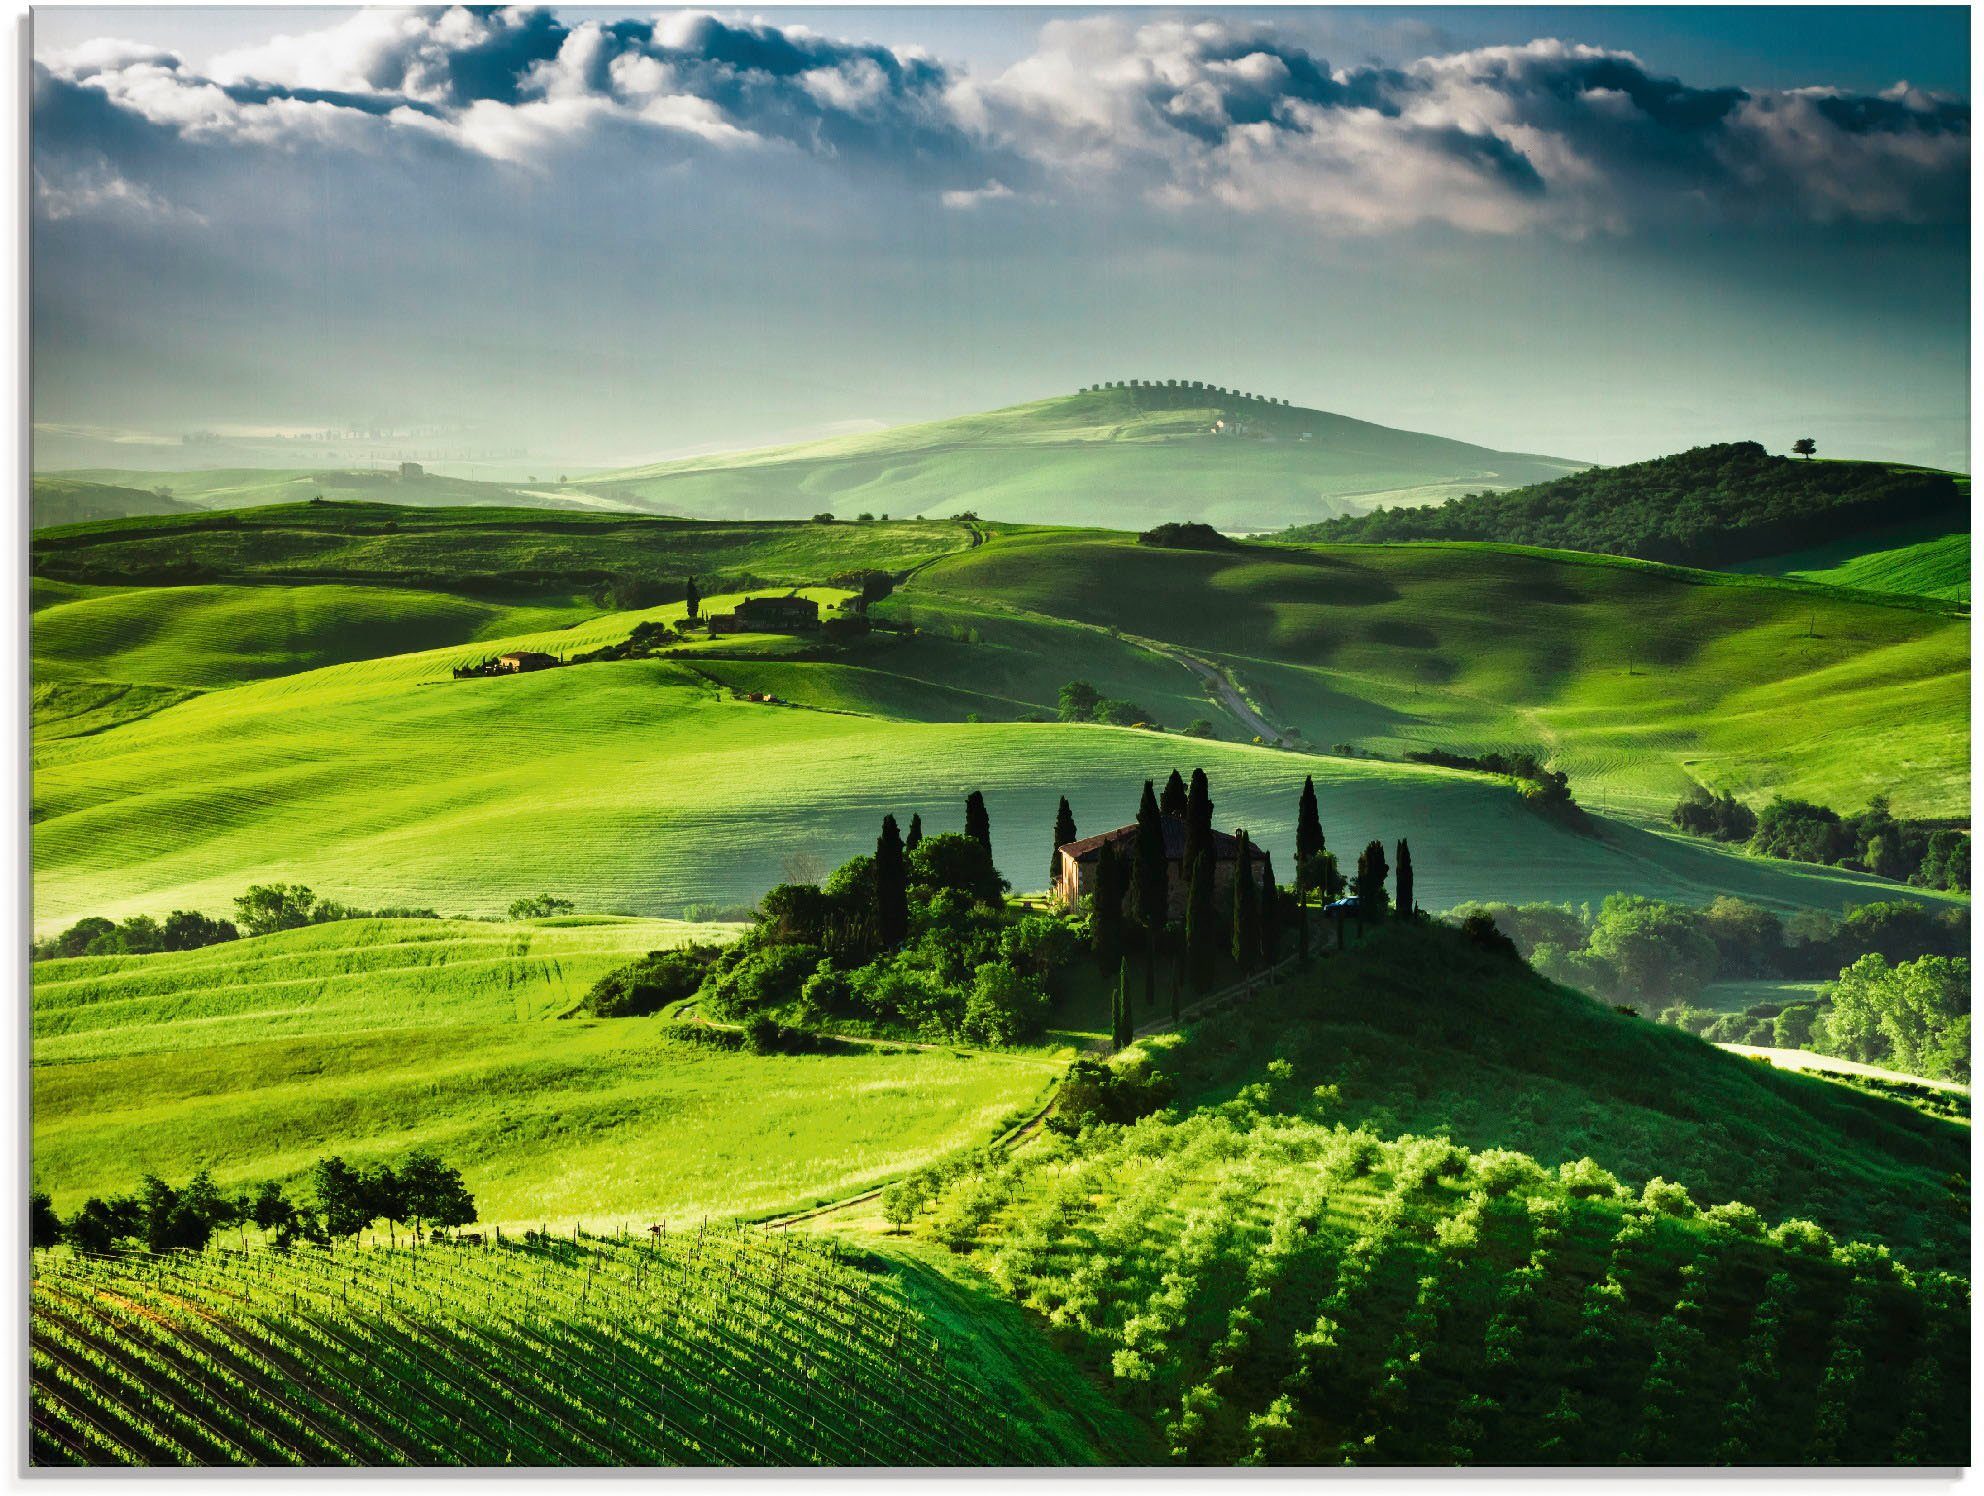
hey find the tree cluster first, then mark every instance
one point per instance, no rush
(1188, 535)
(1875, 841)
(421, 1192)
(140, 934)
(1712, 506)
(1081, 702)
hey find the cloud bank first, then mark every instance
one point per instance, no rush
(1189, 116)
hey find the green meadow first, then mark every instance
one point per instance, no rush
(371, 1038)
(1919, 561)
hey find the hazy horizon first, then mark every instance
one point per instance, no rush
(550, 240)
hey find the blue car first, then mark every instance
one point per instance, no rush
(1347, 905)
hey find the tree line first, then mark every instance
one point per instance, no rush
(1875, 841)
(264, 909)
(1710, 506)
(421, 1193)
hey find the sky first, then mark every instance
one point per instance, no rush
(502, 240)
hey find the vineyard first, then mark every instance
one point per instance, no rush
(1271, 1290)
(710, 1347)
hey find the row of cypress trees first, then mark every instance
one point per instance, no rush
(892, 851)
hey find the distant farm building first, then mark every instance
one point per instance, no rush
(769, 615)
(1074, 877)
(516, 662)
(412, 470)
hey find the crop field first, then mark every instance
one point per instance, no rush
(257, 1057)
(690, 1347)
(1635, 677)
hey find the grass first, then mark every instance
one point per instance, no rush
(1919, 561)
(368, 1039)
(1120, 457)
(479, 550)
(1635, 678)
(70, 501)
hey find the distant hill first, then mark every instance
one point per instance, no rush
(1127, 458)
(82, 494)
(1711, 506)
(72, 501)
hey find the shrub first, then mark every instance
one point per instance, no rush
(1734, 1215)
(1005, 1006)
(651, 983)
(1803, 1238)
(1500, 1171)
(1667, 1198)
(1586, 1179)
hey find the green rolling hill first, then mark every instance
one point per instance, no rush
(1920, 560)
(1128, 458)
(69, 496)
(72, 501)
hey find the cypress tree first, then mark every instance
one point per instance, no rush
(1064, 832)
(1120, 1007)
(1372, 871)
(909, 842)
(1308, 825)
(1246, 945)
(891, 887)
(1270, 912)
(1198, 818)
(1151, 886)
(1173, 801)
(692, 600)
(977, 824)
(1202, 927)
(1402, 881)
(1107, 932)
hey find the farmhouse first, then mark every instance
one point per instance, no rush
(1074, 876)
(518, 661)
(769, 615)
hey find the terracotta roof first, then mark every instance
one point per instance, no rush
(1223, 844)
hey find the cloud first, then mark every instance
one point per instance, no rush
(1209, 115)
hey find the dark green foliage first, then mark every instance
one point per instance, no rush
(1093, 1091)
(977, 824)
(540, 906)
(1078, 702)
(651, 983)
(1198, 817)
(1121, 1029)
(1149, 870)
(1723, 816)
(1481, 930)
(103, 1225)
(1202, 926)
(1246, 929)
(1173, 802)
(268, 907)
(1107, 931)
(1372, 870)
(44, 1225)
(1188, 535)
(342, 1199)
(1712, 506)
(1199, 727)
(891, 887)
(957, 861)
(1402, 881)
(1321, 876)
(1308, 825)
(1268, 920)
(1874, 840)
(1115, 713)
(1064, 832)
(915, 837)
(692, 599)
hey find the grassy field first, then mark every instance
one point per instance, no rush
(72, 501)
(1635, 677)
(1918, 561)
(480, 550)
(372, 1038)
(162, 492)
(1125, 458)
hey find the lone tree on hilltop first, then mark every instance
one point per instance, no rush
(1106, 936)
(1064, 832)
(1402, 881)
(1805, 447)
(891, 887)
(977, 824)
(1173, 801)
(1372, 870)
(915, 837)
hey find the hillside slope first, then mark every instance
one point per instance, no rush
(1920, 560)
(1415, 1206)
(1128, 458)
(173, 491)
(1636, 678)
(1712, 506)
(73, 501)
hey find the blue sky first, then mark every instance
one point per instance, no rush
(598, 236)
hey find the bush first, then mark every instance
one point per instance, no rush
(952, 860)
(1667, 1198)
(1005, 1006)
(651, 983)
(1586, 1179)
(766, 977)
(540, 906)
